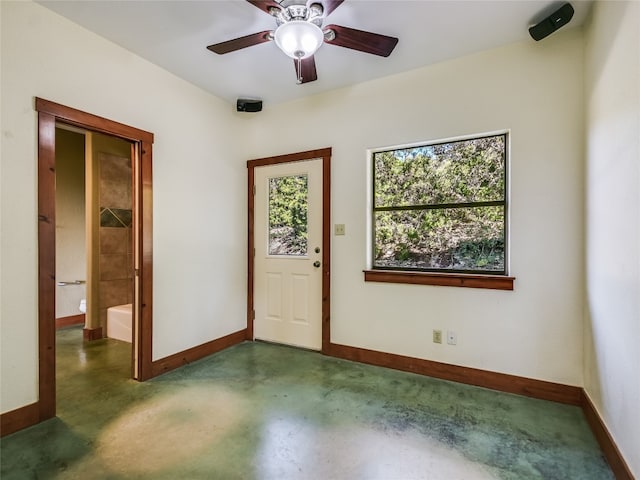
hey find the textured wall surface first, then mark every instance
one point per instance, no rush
(612, 307)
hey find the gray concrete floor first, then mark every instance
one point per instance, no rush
(260, 411)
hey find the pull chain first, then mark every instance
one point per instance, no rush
(299, 70)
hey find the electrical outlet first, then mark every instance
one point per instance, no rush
(452, 338)
(437, 336)
(339, 229)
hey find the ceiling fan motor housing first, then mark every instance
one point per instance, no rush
(311, 14)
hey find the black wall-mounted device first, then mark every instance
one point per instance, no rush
(553, 22)
(247, 105)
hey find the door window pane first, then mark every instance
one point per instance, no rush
(288, 215)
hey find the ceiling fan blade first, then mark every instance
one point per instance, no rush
(329, 5)
(265, 5)
(242, 42)
(308, 69)
(360, 40)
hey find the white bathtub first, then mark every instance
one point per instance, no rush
(119, 322)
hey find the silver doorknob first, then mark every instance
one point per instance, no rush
(316, 264)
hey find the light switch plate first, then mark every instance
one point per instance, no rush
(339, 229)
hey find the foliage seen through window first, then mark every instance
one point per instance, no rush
(441, 207)
(288, 215)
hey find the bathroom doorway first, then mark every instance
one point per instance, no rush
(94, 240)
(50, 116)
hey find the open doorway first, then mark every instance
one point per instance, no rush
(140, 143)
(94, 237)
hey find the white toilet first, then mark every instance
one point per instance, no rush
(83, 305)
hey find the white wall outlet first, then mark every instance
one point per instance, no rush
(437, 336)
(452, 338)
(339, 229)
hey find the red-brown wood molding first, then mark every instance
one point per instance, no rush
(19, 418)
(91, 334)
(495, 282)
(472, 376)
(609, 448)
(502, 382)
(70, 321)
(325, 155)
(196, 353)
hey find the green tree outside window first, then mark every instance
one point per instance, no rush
(441, 207)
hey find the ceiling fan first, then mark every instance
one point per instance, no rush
(299, 33)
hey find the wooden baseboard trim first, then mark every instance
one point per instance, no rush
(69, 321)
(498, 381)
(196, 353)
(91, 334)
(472, 376)
(605, 440)
(23, 417)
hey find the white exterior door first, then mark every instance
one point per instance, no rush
(288, 241)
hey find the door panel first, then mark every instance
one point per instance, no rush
(287, 239)
(274, 295)
(300, 294)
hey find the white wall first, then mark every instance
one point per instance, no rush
(199, 233)
(533, 89)
(71, 258)
(612, 334)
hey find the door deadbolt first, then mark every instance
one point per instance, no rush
(317, 250)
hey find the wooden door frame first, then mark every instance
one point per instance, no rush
(325, 155)
(50, 113)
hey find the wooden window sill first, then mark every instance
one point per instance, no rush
(496, 282)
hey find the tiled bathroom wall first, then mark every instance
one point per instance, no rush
(115, 245)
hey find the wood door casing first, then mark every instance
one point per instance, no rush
(325, 155)
(49, 113)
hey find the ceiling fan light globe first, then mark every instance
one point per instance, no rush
(299, 38)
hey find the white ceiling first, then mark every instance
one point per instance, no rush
(175, 34)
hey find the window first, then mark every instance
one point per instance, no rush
(288, 215)
(441, 208)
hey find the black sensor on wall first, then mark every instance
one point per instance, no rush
(247, 105)
(553, 22)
